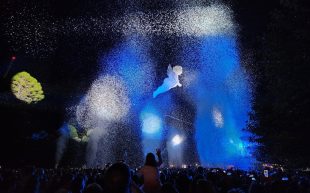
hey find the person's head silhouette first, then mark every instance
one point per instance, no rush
(150, 160)
(117, 178)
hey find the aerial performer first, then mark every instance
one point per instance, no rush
(170, 82)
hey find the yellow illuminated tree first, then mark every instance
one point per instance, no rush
(26, 88)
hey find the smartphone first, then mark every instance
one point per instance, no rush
(285, 179)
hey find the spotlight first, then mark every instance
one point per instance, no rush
(177, 140)
(151, 123)
(13, 58)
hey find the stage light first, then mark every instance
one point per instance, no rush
(177, 140)
(151, 123)
(184, 166)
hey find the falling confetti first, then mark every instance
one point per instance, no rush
(32, 32)
(217, 117)
(37, 32)
(106, 101)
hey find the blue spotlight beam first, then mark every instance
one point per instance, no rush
(219, 84)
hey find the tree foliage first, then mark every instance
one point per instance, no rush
(282, 96)
(26, 88)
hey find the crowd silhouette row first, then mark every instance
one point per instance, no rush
(151, 178)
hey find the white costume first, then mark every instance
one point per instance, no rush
(170, 82)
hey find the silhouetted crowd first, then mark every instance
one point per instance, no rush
(151, 178)
(118, 178)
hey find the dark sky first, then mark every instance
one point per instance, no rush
(69, 69)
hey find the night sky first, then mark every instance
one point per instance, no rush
(66, 64)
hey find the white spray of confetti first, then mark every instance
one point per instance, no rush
(105, 101)
(190, 21)
(61, 147)
(202, 21)
(105, 104)
(37, 32)
(217, 117)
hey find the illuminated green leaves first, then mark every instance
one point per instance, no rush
(26, 88)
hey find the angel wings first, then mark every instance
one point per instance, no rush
(171, 81)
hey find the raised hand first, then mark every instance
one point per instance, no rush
(158, 152)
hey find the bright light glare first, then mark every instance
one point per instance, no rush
(177, 140)
(151, 123)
